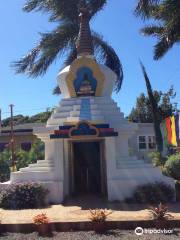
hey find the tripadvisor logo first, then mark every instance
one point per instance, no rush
(140, 231)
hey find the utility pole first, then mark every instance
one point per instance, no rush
(12, 139)
(0, 120)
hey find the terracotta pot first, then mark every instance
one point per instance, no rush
(99, 227)
(43, 229)
(161, 224)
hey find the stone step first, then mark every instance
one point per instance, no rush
(85, 113)
(45, 161)
(63, 109)
(41, 165)
(56, 121)
(36, 169)
(60, 115)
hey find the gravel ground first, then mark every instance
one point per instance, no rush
(111, 235)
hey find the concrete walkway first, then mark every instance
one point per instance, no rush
(77, 210)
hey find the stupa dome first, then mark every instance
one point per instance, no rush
(100, 79)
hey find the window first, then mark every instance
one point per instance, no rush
(147, 142)
(151, 142)
(142, 142)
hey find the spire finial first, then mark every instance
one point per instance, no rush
(84, 43)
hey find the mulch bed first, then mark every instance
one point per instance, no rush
(110, 235)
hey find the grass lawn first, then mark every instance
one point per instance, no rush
(111, 235)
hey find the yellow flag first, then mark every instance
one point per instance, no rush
(173, 128)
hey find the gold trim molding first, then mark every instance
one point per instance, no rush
(97, 74)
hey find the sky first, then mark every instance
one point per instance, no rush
(19, 33)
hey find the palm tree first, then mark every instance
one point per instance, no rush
(155, 111)
(62, 40)
(166, 27)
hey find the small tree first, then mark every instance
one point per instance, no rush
(142, 111)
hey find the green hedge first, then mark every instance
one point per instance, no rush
(4, 171)
(153, 193)
(23, 196)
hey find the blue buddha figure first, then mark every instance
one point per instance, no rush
(86, 87)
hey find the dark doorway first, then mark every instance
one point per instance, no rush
(87, 167)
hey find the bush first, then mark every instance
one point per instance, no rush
(172, 166)
(153, 193)
(23, 196)
(4, 171)
(157, 158)
(23, 158)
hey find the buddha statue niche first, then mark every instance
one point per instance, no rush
(86, 87)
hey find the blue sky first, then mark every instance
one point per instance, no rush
(20, 33)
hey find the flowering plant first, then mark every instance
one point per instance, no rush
(160, 212)
(99, 215)
(41, 219)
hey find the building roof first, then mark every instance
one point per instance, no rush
(28, 127)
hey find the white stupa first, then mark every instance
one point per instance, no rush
(86, 137)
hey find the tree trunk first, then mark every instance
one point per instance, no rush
(155, 112)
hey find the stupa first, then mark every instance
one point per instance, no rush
(86, 137)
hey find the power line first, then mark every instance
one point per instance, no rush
(25, 110)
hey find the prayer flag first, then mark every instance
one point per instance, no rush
(173, 129)
(169, 131)
(177, 123)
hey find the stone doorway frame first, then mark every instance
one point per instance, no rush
(103, 165)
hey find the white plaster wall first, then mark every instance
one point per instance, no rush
(110, 79)
(61, 79)
(66, 168)
(125, 173)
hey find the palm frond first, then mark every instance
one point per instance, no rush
(58, 9)
(51, 45)
(72, 55)
(56, 90)
(107, 56)
(152, 30)
(70, 58)
(144, 8)
(27, 61)
(95, 6)
(161, 48)
(63, 9)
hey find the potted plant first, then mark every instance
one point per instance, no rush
(160, 215)
(42, 223)
(98, 218)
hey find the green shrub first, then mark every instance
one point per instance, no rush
(153, 193)
(24, 158)
(172, 166)
(23, 196)
(157, 158)
(4, 171)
